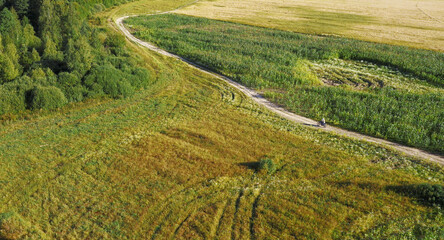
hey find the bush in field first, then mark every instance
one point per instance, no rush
(426, 193)
(266, 165)
(107, 80)
(46, 98)
(139, 78)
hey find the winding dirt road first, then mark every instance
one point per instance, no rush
(276, 109)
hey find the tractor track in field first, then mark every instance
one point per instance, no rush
(260, 100)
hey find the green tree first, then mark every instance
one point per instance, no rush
(49, 22)
(10, 26)
(6, 21)
(50, 52)
(21, 6)
(8, 70)
(78, 55)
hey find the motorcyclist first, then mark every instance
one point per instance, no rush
(322, 122)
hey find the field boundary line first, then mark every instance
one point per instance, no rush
(260, 100)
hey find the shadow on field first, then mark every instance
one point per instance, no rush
(426, 194)
(250, 165)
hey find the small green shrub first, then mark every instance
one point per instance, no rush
(46, 98)
(266, 165)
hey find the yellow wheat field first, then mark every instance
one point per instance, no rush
(405, 22)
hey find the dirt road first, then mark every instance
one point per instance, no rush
(278, 110)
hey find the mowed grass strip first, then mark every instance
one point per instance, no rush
(271, 59)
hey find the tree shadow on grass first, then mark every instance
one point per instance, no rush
(426, 194)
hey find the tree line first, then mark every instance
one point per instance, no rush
(50, 56)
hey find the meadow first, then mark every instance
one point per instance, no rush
(287, 67)
(403, 22)
(124, 168)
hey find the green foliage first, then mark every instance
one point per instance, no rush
(21, 6)
(107, 80)
(414, 119)
(10, 101)
(46, 98)
(266, 165)
(8, 70)
(262, 58)
(115, 42)
(71, 86)
(47, 41)
(78, 56)
(432, 194)
(266, 58)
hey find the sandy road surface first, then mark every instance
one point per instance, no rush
(278, 110)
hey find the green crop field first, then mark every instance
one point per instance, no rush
(186, 156)
(298, 71)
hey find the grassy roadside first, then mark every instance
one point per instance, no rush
(285, 66)
(125, 168)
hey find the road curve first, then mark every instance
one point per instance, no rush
(414, 152)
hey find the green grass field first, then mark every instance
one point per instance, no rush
(126, 169)
(180, 159)
(398, 96)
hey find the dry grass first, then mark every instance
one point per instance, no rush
(405, 22)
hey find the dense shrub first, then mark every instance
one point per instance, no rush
(266, 165)
(107, 80)
(70, 85)
(46, 98)
(47, 51)
(115, 43)
(10, 101)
